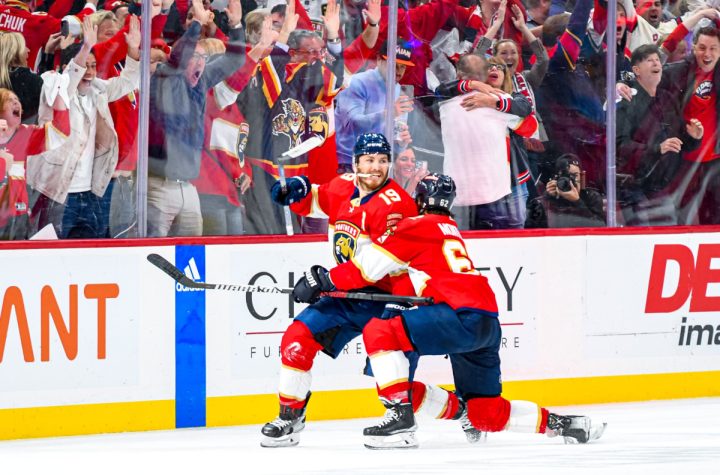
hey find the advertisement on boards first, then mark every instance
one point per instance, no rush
(655, 300)
(74, 328)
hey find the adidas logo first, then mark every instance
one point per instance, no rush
(191, 270)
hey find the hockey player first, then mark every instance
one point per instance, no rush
(463, 322)
(360, 207)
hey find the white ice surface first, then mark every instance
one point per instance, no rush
(664, 437)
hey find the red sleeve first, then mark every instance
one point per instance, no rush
(112, 51)
(357, 54)
(36, 142)
(182, 7)
(325, 195)
(158, 25)
(599, 17)
(219, 35)
(60, 8)
(304, 22)
(240, 78)
(677, 35)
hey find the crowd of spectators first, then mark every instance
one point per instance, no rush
(506, 96)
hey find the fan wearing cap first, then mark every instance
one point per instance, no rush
(361, 107)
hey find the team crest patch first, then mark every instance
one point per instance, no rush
(291, 122)
(345, 241)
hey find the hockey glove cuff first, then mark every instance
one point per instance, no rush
(296, 188)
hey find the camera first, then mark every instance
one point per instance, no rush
(564, 181)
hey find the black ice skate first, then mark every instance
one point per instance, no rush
(574, 429)
(396, 430)
(472, 434)
(284, 430)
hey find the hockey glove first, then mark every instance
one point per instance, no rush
(308, 288)
(296, 188)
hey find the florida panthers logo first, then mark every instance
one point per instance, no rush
(345, 241)
(242, 139)
(291, 122)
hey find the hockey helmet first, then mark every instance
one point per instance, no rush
(435, 192)
(371, 143)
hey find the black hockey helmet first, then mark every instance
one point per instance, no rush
(371, 143)
(435, 192)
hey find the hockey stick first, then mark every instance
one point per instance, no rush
(294, 152)
(179, 276)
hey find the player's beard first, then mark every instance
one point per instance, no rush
(370, 184)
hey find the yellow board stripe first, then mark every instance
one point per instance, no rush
(346, 404)
(86, 419)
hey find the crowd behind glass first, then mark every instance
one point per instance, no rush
(506, 96)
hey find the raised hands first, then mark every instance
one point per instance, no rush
(89, 32)
(234, 13)
(201, 15)
(268, 35)
(132, 37)
(290, 23)
(372, 12)
(332, 19)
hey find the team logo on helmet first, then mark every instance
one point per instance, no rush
(345, 241)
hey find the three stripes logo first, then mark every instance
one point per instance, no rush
(191, 270)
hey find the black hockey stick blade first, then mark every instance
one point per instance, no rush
(176, 274)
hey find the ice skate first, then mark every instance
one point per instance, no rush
(283, 431)
(472, 434)
(395, 431)
(574, 429)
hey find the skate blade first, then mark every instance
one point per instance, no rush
(595, 431)
(403, 440)
(287, 441)
(476, 437)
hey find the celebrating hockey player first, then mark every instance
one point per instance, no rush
(463, 322)
(361, 207)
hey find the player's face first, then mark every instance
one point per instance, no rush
(707, 52)
(375, 165)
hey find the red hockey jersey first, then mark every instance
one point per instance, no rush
(35, 27)
(430, 251)
(356, 222)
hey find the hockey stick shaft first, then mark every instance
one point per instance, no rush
(294, 152)
(178, 276)
(286, 209)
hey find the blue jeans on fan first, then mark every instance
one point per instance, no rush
(506, 213)
(82, 217)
